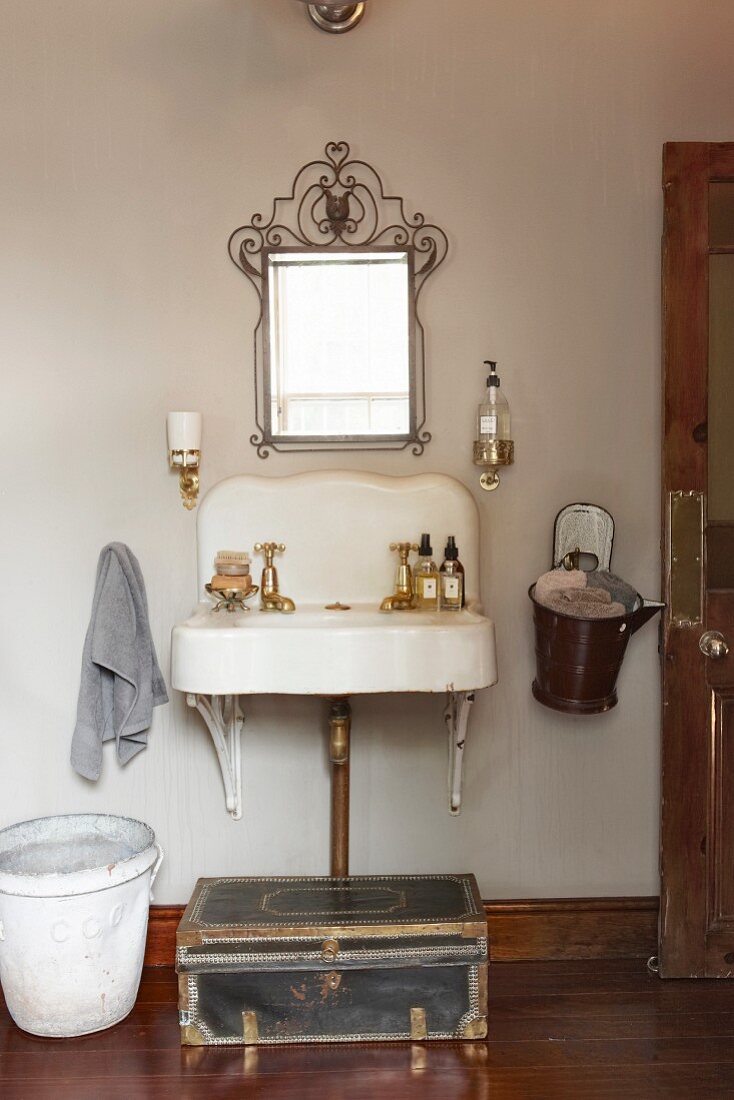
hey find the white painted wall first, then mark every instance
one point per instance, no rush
(135, 135)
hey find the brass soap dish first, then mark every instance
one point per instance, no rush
(231, 599)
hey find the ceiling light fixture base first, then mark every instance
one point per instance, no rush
(336, 19)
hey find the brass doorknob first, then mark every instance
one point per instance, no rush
(713, 644)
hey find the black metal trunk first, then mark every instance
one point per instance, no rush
(287, 960)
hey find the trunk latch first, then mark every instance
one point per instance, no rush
(329, 950)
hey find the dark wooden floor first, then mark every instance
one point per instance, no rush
(558, 1029)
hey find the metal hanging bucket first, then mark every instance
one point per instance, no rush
(578, 660)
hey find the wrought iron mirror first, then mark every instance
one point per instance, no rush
(339, 346)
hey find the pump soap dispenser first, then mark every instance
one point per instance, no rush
(493, 446)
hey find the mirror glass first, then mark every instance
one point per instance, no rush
(339, 343)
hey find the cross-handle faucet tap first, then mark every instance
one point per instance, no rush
(403, 598)
(270, 597)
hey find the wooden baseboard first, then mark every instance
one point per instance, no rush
(553, 928)
(160, 947)
(573, 928)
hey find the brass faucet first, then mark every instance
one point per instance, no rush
(403, 598)
(270, 597)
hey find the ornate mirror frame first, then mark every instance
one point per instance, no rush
(338, 204)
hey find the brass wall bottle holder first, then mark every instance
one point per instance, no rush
(492, 455)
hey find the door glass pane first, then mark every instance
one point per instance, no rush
(721, 388)
(720, 540)
(721, 215)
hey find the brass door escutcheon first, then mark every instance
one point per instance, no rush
(686, 520)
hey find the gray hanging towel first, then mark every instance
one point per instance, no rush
(121, 681)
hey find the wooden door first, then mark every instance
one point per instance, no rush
(697, 818)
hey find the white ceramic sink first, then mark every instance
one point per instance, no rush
(320, 652)
(337, 527)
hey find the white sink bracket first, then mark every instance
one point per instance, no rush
(224, 720)
(456, 716)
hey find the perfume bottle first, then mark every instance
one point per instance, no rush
(451, 576)
(426, 578)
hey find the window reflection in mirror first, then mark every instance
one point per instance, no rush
(338, 343)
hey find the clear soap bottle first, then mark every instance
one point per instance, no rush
(493, 415)
(451, 576)
(426, 578)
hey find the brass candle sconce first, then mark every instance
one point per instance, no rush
(184, 453)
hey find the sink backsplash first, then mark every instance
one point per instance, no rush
(337, 527)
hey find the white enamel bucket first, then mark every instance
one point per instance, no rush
(74, 897)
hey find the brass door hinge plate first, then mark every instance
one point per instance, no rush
(685, 565)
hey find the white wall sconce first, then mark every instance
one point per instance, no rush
(493, 446)
(335, 17)
(184, 453)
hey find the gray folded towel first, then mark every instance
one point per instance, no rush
(121, 681)
(618, 589)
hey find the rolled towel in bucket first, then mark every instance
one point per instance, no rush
(558, 580)
(584, 603)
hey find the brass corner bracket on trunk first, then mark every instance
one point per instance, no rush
(475, 1029)
(191, 1036)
